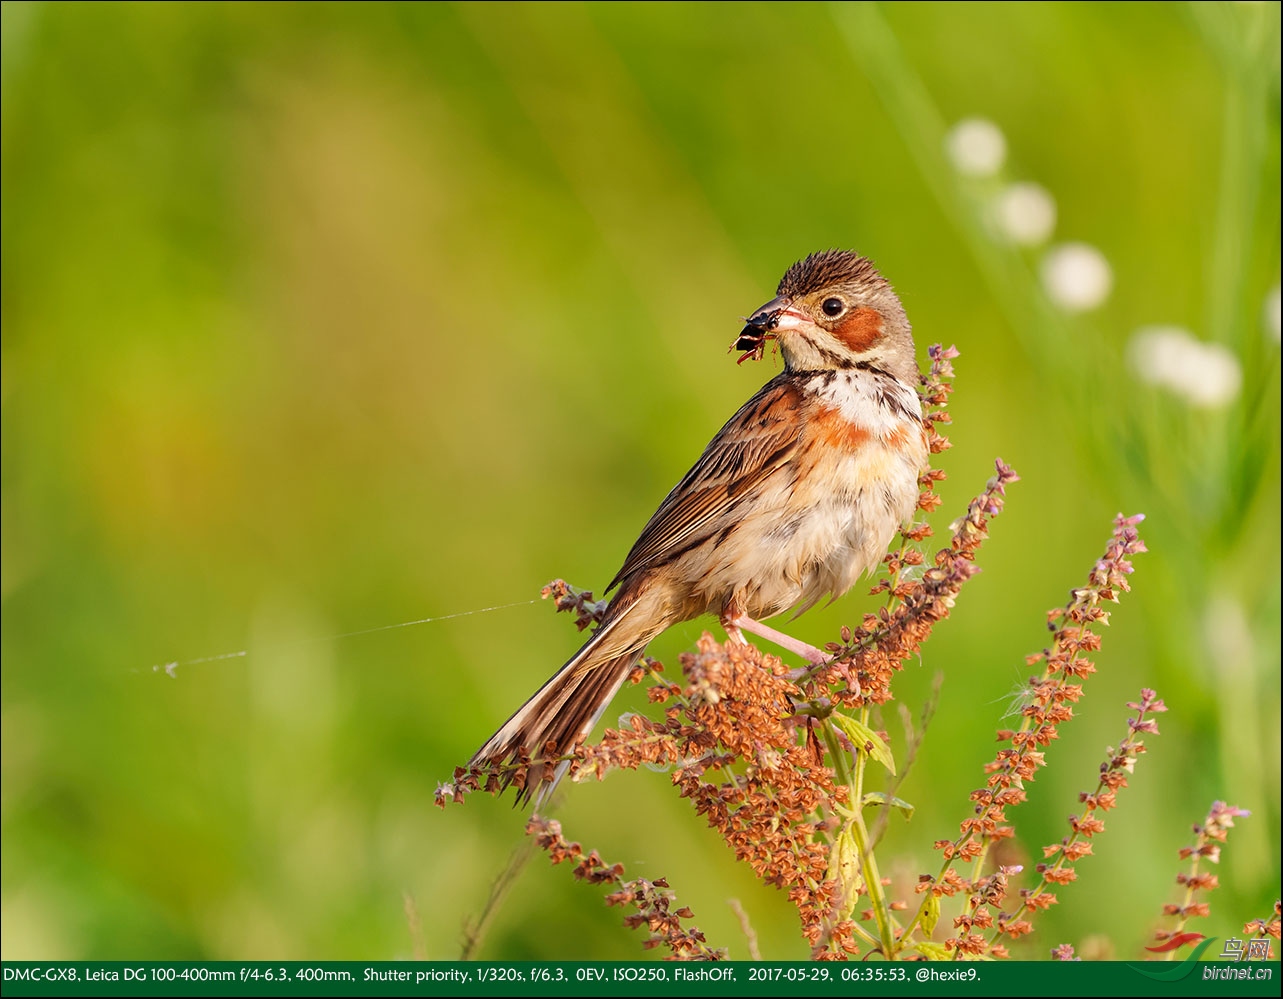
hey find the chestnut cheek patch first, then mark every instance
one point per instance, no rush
(860, 330)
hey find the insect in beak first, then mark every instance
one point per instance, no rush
(760, 328)
(752, 340)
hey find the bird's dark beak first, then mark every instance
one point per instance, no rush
(765, 318)
(761, 324)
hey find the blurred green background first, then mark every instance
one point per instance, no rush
(323, 317)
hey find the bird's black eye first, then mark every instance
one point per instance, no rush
(832, 307)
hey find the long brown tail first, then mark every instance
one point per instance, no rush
(564, 710)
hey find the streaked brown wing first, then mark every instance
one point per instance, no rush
(756, 441)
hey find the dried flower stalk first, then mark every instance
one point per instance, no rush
(1267, 927)
(1209, 836)
(1059, 858)
(1049, 698)
(652, 899)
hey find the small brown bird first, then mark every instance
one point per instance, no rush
(793, 500)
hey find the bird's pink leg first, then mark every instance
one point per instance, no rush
(808, 652)
(733, 621)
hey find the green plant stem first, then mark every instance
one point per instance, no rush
(873, 885)
(868, 863)
(848, 776)
(475, 932)
(839, 757)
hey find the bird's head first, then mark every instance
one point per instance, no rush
(834, 310)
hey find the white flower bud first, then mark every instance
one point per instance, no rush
(1025, 213)
(1205, 375)
(1076, 276)
(976, 147)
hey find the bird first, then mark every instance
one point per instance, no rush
(793, 500)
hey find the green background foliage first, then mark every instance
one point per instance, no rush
(321, 317)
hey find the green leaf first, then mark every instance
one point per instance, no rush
(934, 951)
(931, 914)
(865, 740)
(882, 798)
(844, 867)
